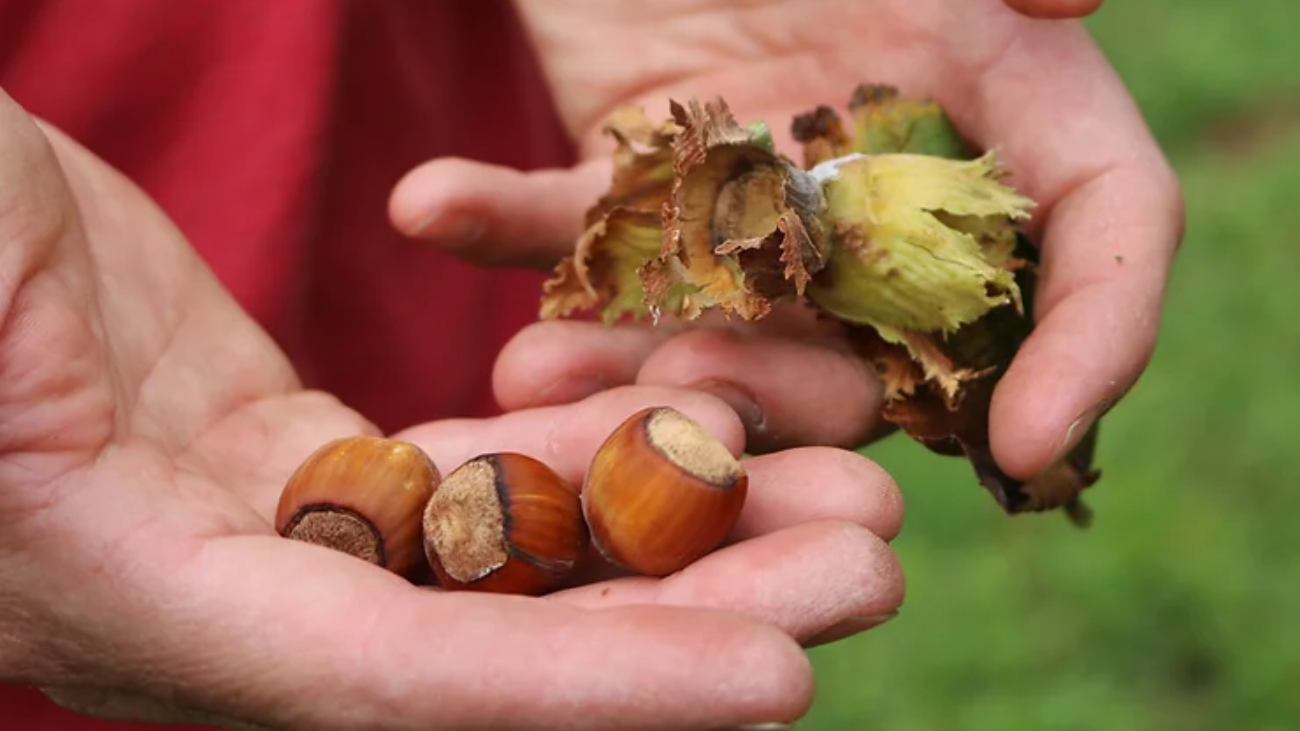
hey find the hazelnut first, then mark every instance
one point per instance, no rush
(661, 493)
(504, 523)
(362, 496)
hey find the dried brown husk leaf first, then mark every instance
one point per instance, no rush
(822, 135)
(604, 271)
(642, 178)
(623, 229)
(736, 228)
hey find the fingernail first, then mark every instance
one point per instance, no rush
(1074, 433)
(873, 620)
(568, 390)
(741, 401)
(848, 628)
(453, 229)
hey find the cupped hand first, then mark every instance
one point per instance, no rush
(1108, 221)
(147, 426)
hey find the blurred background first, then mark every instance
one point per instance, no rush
(1180, 608)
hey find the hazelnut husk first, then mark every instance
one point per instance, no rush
(661, 493)
(909, 236)
(362, 496)
(504, 523)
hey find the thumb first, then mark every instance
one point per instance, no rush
(1055, 9)
(34, 199)
(52, 365)
(497, 216)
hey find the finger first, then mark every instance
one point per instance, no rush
(561, 361)
(811, 484)
(788, 490)
(787, 393)
(34, 199)
(1055, 9)
(805, 392)
(1104, 273)
(50, 363)
(1113, 219)
(497, 216)
(805, 579)
(796, 486)
(290, 635)
(567, 437)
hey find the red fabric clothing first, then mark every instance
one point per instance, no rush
(272, 133)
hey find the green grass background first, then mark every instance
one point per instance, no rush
(1179, 610)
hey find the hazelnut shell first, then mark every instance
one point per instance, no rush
(363, 496)
(661, 492)
(504, 523)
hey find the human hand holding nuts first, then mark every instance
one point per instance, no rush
(149, 430)
(621, 505)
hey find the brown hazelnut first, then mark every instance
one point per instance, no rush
(661, 493)
(363, 496)
(504, 523)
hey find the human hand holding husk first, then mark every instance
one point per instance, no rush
(1107, 222)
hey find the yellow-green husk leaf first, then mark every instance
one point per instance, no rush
(918, 242)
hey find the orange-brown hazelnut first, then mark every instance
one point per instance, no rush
(661, 493)
(504, 523)
(363, 496)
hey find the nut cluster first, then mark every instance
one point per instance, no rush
(659, 494)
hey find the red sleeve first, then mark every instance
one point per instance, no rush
(272, 133)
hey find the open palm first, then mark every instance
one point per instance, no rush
(1108, 222)
(147, 426)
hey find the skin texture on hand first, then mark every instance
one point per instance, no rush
(1109, 217)
(147, 427)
